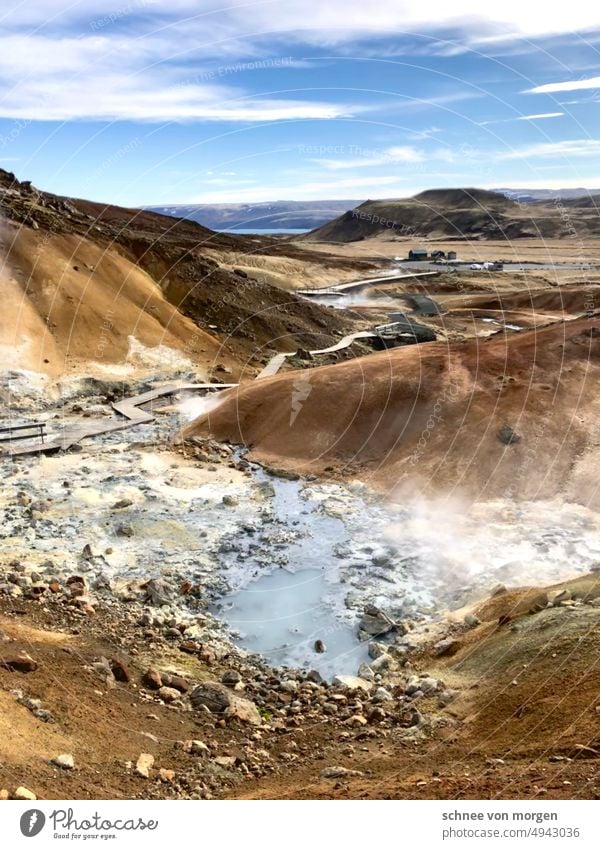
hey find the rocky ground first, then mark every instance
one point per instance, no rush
(119, 677)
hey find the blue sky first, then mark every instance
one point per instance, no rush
(189, 101)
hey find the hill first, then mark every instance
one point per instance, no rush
(456, 214)
(89, 285)
(426, 418)
(274, 215)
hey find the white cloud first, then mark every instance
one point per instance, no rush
(553, 150)
(541, 116)
(315, 190)
(568, 85)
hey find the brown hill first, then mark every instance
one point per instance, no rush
(458, 213)
(430, 418)
(83, 282)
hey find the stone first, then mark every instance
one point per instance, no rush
(24, 793)
(289, 686)
(365, 671)
(152, 679)
(507, 435)
(168, 694)
(21, 662)
(64, 761)
(447, 647)
(230, 501)
(225, 761)
(338, 772)
(382, 695)
(231, 678)
(144, 764)
(4, 794)
(119, 670)
(124, 531)
(219, 699)
(471, 620)
(320, 646)
(352, 682)
(375, 622)
(121, 504)
(376, 650)
(356, 719)
(166, 775)
(196, 747)
(175, 681)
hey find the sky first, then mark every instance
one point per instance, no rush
(141, 102)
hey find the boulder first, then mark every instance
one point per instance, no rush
(219, 699)
(352, 682)
(375, 622)
(144, 764)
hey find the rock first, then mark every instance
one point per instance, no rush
(375, 622)
(157, 591)
(231, 678)
(124, 531)
(365, 671)
(382, 695)
(376, 650)
(507, 435)
(166, 775)
(119, 670)
(152, 679)
(144, 764)
(196, 747)
(471, 620)
(21, 662)
(64, 761)
(447, 647)
(356, 719)
(289, 686)
(175, 681)
(219, 699)
(4, 794)
(320, 646)
(24, 793)
(225, 761)
(338, 772)
(168, 694)
(429, 685)
(230, 501)
(121, 504)
(314, 676)
(499, 589)
(352, 682)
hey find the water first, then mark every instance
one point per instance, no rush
(282, 614)
(267, 231)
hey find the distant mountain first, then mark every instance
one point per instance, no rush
(459, 213)
(275, 215)
(530, 195)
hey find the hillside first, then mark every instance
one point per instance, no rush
(372, 417)
(457, 213)
(274, 215)
(95, 286)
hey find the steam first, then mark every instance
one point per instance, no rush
(193, 406)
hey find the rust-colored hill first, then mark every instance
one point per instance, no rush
(84, 284)
(514, 415)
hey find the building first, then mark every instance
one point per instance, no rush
(418, 254)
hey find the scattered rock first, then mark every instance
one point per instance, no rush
(352, 682)
(338, 772)
(507, 435)
(24, 793)
(21, 662)
(64, 761)
(219, 699)
(168, 694)
(152, 679)
(375, 623)
(447, 647)
(119, 670)
(144, 764)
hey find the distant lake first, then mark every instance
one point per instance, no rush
(268, 232)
